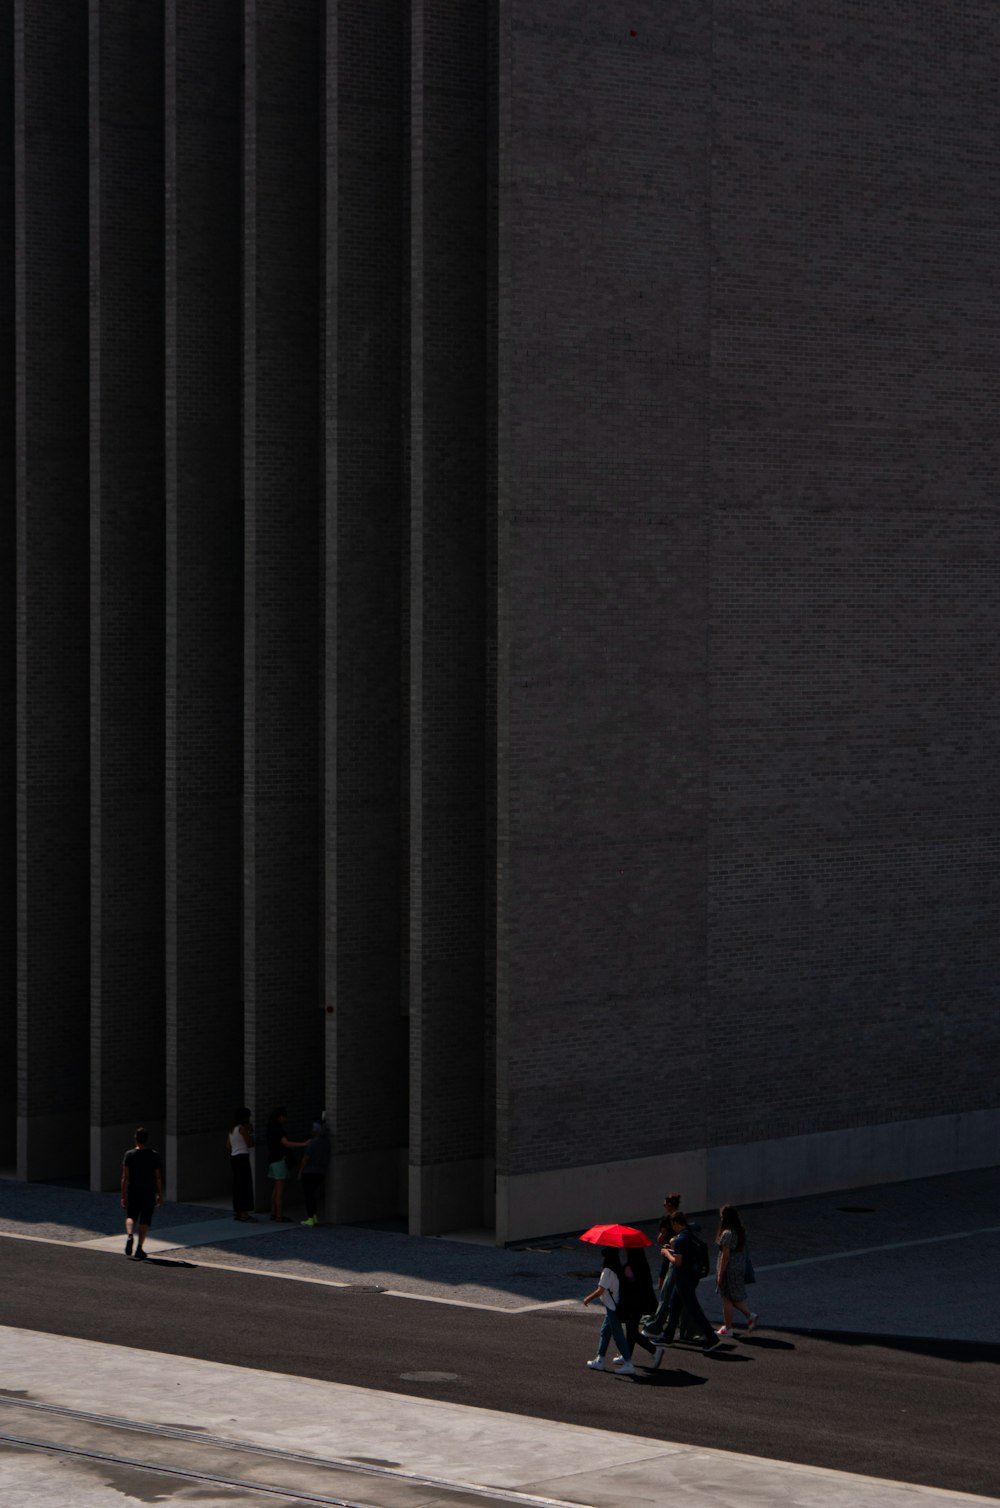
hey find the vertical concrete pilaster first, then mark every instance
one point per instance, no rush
(50, 131)
(8, 605)
(204, 585)
(283, 573)
(447, 566)
(127, 577)
(367, 1029)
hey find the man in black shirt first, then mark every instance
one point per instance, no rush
(142, 1190)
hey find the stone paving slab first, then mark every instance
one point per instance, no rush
(183, 1237)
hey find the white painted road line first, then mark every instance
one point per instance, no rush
(868, 1251)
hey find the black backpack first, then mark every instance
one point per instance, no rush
(696, 1258)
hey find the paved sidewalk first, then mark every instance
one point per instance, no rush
(916, 1259)
(387, 1440)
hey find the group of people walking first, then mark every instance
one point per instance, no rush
(312, 1166)
(637, 1315)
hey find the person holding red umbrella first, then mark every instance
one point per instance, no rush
(609, 1289)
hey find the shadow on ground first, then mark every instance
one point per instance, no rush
(917, 1345)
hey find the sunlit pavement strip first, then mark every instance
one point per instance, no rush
(412, 1438)
(206, 1233)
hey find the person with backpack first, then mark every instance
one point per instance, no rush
(688, 1256)
(730, 1271)
(652, 1323)
(608, 1290)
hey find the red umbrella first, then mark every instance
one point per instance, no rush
(615, 1235)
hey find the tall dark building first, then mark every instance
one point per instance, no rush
(501, 594)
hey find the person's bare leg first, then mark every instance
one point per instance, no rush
(143, 1233)
(129, 1225)
(745, 1310)
(727, 1312)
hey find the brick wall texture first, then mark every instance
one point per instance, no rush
(8, 610)
(543, 616)
(752, 599)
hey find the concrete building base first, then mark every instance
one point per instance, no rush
(196, 1165)
(366, 1185)
(573, 1198)
(446, 1196)
(52, 1146)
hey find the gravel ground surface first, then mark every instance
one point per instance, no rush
(456, 1270)
(68, 1214)
(937, 1288)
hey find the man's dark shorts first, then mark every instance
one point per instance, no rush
(142, 1209)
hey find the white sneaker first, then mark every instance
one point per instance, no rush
(627, 1369)
(752, 1322)
(723, 1331)
(616, 1359)
(596, 1364)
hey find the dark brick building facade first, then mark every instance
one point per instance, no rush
(500, 593)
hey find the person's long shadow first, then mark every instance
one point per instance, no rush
(917, 1345)
(676, 1377)
(765, 1343)
(167, 1262)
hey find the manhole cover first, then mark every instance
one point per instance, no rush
(855, 1209)
(429, 1376)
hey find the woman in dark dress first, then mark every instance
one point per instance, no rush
(637, 1298)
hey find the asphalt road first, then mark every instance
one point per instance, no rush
(912, 1410)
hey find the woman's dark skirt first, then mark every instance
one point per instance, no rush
(242, 1184)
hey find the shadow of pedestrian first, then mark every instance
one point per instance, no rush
(765, 1343)
(168, 1262)
(674, 1378)
(917, 1345)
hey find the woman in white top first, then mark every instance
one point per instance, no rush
(608, 1290)
(240, 1142)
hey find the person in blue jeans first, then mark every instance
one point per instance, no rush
(608, 1290)
(682, 1255)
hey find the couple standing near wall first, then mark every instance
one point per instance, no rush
(312, 1168)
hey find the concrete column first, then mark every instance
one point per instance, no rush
(127, 577)
(448, 230)
(204, 584)
(283, 582)
(367, 1031)
(8, 605)
(50, 79)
